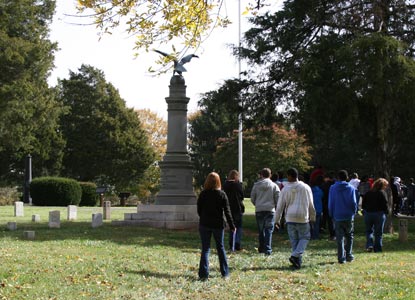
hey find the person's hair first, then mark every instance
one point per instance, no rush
(265, 172)
(233, 174)
(342, 175)
(212, 182)
(354, 175)
(274, 177)
(292, 172)
(317, 181)
(380, 184)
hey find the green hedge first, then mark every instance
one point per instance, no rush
(55, 191)
(89, 195)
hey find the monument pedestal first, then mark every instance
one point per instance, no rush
(162, 216)
(175, 205)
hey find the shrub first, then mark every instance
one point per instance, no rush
(55, 191)
(89, 196)
(8, 195)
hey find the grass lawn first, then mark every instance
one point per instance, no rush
(110, 262)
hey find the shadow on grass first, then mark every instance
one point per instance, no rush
(268, 268)
(161, 275)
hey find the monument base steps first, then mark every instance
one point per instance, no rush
(162, 216)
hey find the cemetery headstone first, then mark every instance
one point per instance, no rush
(54, 219)
(18, 209)
(12, 226)
(107, 210)
(35, 218)
(97, 220)
(29, 235)
(72, 212)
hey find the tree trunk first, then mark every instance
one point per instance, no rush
(389, 219)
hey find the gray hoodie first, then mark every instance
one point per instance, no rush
(264, 195)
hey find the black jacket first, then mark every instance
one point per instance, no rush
(233, 190)
(211, 205)
(375, 201)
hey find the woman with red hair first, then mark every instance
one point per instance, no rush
(212, 204)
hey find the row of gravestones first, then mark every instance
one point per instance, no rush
(72, 210)
(54, 217)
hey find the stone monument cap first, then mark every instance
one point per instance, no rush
(177, 79)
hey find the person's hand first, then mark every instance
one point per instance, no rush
(277, 225)
(234, 230)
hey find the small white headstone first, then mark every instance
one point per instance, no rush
(72, 212)
(29, 235)
(96, 220)
(55, 219)
(18, 209)
(12, 226)
(35, 218)
(107, 210)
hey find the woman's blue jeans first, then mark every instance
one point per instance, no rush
(375, 222)
(205, 236)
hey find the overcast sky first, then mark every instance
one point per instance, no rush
(113, 54)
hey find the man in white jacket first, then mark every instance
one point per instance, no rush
(296, 201)
(264, 196)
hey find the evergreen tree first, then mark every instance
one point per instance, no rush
(28, 110)
(345, 70)
(104, 139)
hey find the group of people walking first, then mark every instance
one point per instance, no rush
(299, 204)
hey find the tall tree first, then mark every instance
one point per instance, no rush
(272, 146)
(156, 129)
(217, 118)
(344, 68)
(28, 110)
(104, 138)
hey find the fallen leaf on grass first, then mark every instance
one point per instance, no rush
(325, 288)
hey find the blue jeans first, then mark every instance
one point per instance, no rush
(205, 236)
(266, 222)
(344, 239)
(299, 234)
(315, 234)
(374, 221)
(238, 234)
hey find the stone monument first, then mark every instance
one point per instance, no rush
(175, 205)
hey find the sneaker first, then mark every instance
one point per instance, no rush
(260, 250)
(369, 249)
(350, 259)
(342, 261)
(295, 262)
(203, 279)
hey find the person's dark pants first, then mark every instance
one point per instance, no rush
(205, 236)
(315, 232)
(411, 206)
(344, 239)
(396, 205)
(266, 222)
(238, 235)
